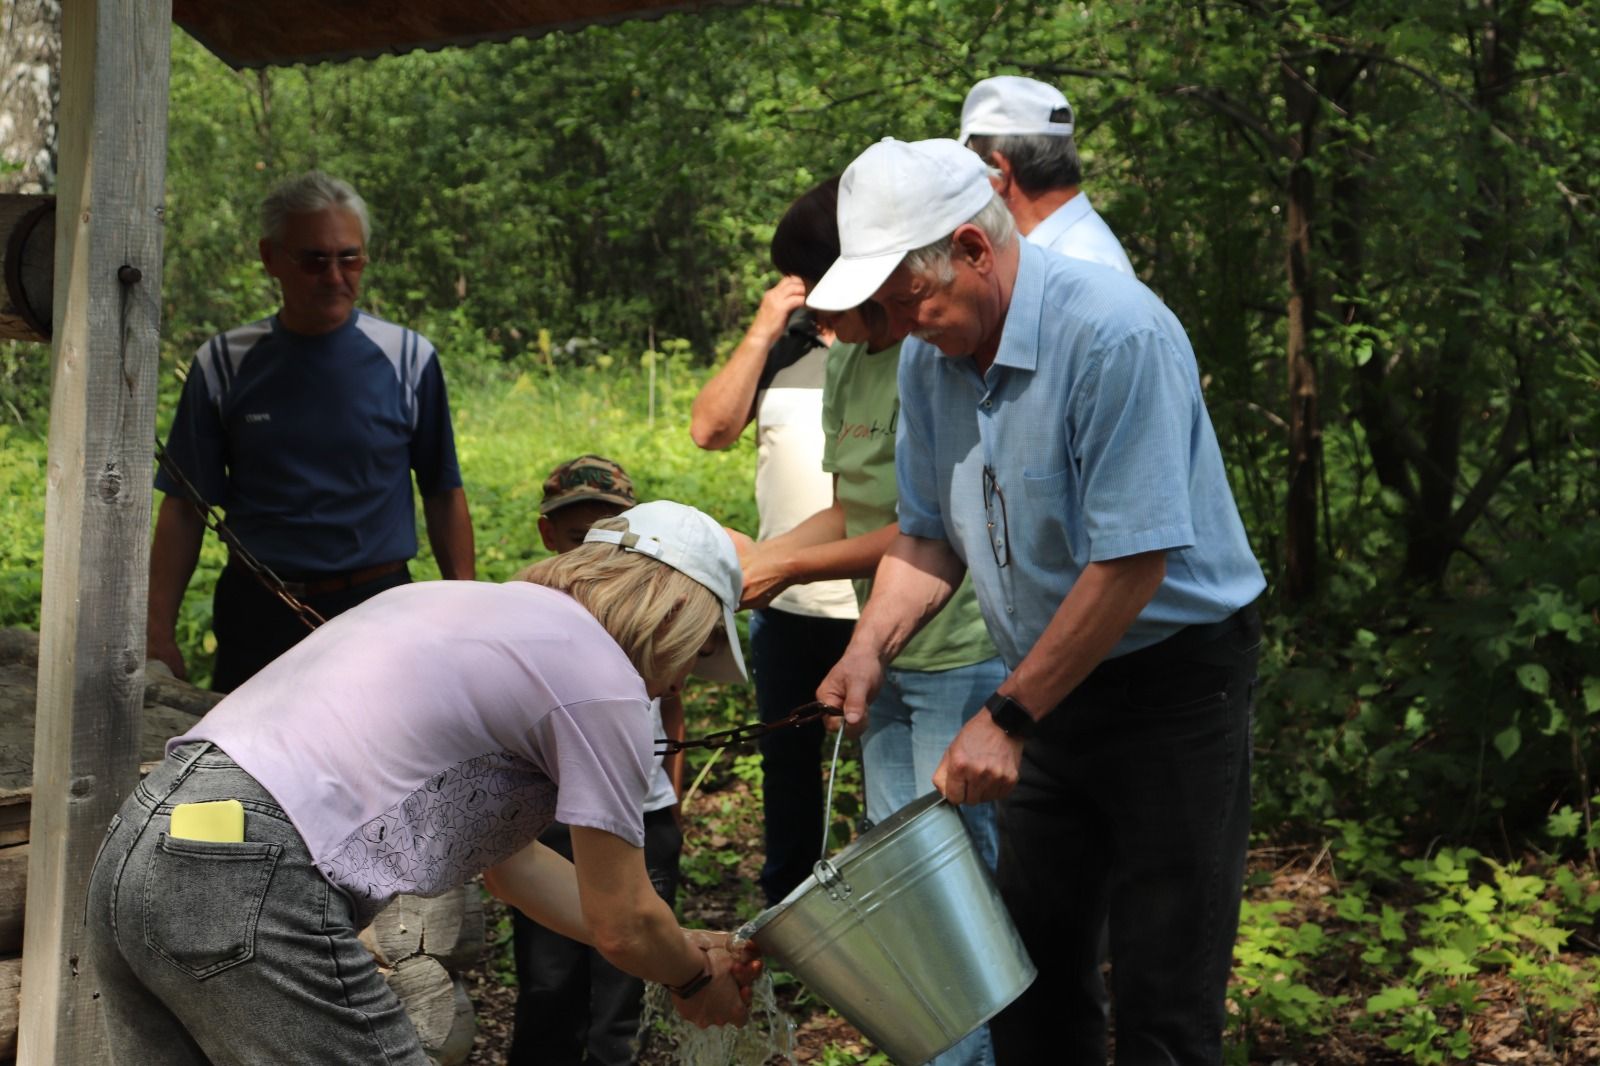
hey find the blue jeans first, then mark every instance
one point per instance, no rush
(226, 954)
(913, 720)
(1133, 803)
(790, 654)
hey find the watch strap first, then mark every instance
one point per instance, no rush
(1012, 717)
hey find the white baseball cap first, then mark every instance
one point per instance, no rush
(1012, 105)
(692, 543)
(896, 197)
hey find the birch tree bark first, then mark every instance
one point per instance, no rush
(30, 86)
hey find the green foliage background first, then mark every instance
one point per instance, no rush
(548, 210)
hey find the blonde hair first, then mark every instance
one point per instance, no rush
(659, 616)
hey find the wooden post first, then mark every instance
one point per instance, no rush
(113, 122)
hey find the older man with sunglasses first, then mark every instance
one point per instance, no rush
(306, 428)
(1054, 442)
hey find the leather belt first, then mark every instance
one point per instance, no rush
(1184, 641)
(322, 584)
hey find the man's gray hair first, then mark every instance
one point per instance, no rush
(932, 261)
(1039, 162)
(307, 194)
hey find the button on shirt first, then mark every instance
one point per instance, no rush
(1092, 423)
(1076, 229)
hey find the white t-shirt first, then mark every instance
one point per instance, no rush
(438, 728)
(791, 485)
(661, 793)
(1076, 230)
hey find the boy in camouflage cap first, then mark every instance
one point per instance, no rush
(579, 493)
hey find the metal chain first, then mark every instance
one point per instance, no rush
(743, 734)
(236, 549)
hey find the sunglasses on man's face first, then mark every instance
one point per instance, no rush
(314, 262)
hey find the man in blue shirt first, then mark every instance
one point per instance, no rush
(305, 428)
(1023, 129)
(1054, 442)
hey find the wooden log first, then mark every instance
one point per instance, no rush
(463, 1030)
(15, 807)
(115, 57)
(430, 999)
(10, 994)
(464, 949)
(447, 927)
(27, 266)
(13, 890)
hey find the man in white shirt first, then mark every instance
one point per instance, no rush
(1023, 129)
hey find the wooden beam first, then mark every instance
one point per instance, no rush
(113, 121)
(27, 266)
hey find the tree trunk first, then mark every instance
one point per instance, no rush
(1305, 429)
(1438, 525)
(30, 86)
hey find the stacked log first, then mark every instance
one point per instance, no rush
(421, 945)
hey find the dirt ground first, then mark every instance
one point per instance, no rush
(724, 836)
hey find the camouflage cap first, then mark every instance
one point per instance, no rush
(588, 477)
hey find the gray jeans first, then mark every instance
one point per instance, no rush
(230, 952)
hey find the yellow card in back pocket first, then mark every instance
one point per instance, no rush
(221, 821)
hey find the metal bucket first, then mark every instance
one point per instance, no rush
(903, 933)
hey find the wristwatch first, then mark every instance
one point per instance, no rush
(1012, 717)
(693, 985)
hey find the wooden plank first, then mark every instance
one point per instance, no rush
(113, 121)
(294, 31)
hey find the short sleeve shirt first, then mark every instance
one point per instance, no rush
(1086, 440)
(860, 411)
(309, 442)
(437, 728)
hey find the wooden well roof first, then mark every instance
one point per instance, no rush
(253, 33)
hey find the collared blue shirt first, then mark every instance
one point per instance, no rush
(1092, 423)
(1075, 229)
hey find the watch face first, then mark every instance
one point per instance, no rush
(1009, 715)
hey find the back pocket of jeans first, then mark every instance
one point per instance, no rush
(202, 901)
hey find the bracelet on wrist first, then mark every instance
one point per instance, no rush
(694, 984)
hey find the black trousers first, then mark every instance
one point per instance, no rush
(254, 627)
(1133, 805)
(573, 1006)
(790, 654)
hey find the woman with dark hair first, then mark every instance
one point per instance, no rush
(942, 676)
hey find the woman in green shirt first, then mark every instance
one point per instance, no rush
(944, 673)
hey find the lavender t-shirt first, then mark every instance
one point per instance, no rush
(440, 727)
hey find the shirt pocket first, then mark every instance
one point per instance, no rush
(1047, 523)
(1045, 486)
(203, 899)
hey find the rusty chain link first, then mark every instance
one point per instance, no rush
(236, 550)
(743, 734)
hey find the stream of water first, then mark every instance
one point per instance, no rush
(767, 1038)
